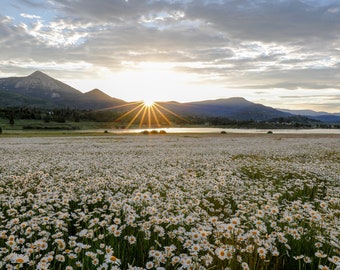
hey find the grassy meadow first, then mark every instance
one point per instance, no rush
(170, 202)
(39, 125)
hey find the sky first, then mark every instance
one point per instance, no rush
(280, 53)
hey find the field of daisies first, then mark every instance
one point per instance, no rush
(170, 202)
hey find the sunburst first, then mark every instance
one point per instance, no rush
(147, 113)
(148, 102)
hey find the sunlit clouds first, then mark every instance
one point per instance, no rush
(180, 50)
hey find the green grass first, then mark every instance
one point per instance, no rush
(31, 128)
(19, 124)
(264, 201)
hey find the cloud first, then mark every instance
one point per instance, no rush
(29, 16)
(257, 44)
(269, 21)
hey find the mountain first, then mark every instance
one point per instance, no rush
(236, 108)
(97, 95)
(43, 91)
(99, 100)
(321, 116)
(40, 86)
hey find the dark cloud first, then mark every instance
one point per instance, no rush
(115, 10)
(270, 21)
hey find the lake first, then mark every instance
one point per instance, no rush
(230, 130)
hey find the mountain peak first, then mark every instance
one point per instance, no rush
(40, 85)
(42, 77)
(38, 74)
(97, 94)
(239, 99)
(225, 101)
(96, 90)
(39, 80)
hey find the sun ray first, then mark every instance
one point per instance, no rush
(155, 116)
(151, 114)
(129, 112)
(149, 117)
(143, 117)
(171, 112)
(163, 116)
(134, 118)
(119, 106)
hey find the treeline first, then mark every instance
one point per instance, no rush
(57, 115)
(275, 123)
(74, 115)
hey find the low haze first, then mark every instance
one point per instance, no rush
(284, 54)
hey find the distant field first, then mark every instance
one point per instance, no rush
(27, 124)
(189, 201)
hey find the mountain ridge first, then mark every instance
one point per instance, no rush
(51, 93)
(321, 116)
(40, 90)
(236, 108)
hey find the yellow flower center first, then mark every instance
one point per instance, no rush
(19, 260)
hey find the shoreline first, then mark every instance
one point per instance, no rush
(15, 133)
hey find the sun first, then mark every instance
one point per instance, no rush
(149, 80)
(148, 102)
